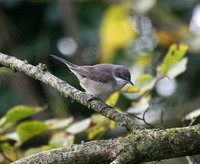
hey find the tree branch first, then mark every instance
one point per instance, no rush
(146, 145)
(143, 146)
(41, 73)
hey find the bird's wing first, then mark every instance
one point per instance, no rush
(102, 76)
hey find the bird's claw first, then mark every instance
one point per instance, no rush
(97, 98)
(106, 106)
(91, 98)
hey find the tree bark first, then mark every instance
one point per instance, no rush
(145, 146)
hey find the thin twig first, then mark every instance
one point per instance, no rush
(143, 117)
(192, 121)
(161, 118)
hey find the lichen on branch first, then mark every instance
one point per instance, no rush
(147, 145)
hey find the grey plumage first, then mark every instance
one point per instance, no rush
(100, 80)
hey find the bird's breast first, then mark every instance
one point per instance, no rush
(99, 89)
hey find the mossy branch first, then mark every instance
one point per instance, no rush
(146, 145)
(41, 73)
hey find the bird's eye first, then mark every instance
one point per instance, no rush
(127, 78)
(118, 74)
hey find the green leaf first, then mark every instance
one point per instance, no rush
(49, 147)
(174, 55)
(145, 82)
(4, 70)
(177, 69)
(18, 113)
(6, 146)
(9, 151)
(29, 129)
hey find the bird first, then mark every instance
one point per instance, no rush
(100, 80)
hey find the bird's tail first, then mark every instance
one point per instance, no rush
(70, 65)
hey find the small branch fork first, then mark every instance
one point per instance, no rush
(143, 117)
(41, 73)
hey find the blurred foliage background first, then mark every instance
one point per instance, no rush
(133, 33)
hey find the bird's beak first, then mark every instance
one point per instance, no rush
(130, 82)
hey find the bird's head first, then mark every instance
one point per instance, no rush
(122, 75)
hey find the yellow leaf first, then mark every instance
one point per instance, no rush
(145, 83)
(112, 125)
(117, 109)
(132, 89)
(166, 38)
(112, 100)
(94, 133)
(96, 124)
(96, 118)
(116, 31)
(3, 138)
(175, 53)
(143, 61)
(9, 151)
(100, 122)
(170, 36)
(128, 135)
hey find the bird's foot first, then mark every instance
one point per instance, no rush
(97, 98)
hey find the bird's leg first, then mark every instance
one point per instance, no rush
(97, 98)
